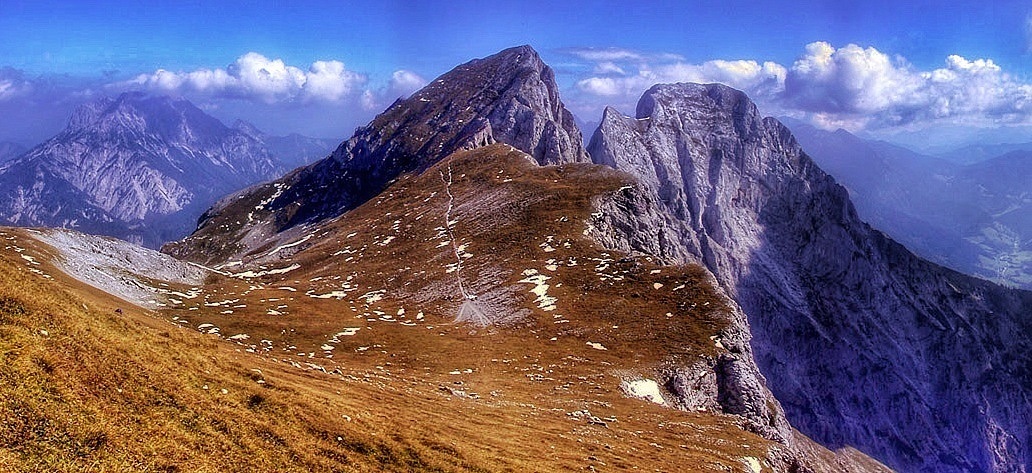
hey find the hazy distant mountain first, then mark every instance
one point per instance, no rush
(977, 153)
(948, 141)
(136, 167)
(292, 150)
(975, 218)
(10, 150)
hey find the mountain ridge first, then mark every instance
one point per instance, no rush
(832, 304)
(973, 218)
(510, 97)
(139, 167)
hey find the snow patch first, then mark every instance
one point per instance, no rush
(290, 245)
(265, 272)
(540, 289)
(646, 389)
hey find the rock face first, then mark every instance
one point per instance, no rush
(510, 97)
(863, 343)
(976, 218)
(136, 167)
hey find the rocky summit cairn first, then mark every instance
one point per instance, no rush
(863, 343)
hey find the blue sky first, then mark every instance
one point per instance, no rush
(880, 67)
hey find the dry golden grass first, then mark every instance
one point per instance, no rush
(86, 388)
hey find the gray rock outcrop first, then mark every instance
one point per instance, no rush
(863, 343)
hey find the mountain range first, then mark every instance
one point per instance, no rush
(141, 168)
(972, 154)
(691, 291)
(851, 330)
(975, 218)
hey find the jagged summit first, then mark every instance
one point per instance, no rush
(169, 118)
(137, 167)
(863, 343)
(510, 97)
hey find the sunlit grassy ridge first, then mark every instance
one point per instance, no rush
(85, 388)
(90, 383)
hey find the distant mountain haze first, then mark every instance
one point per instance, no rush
(975, 218)
(10, 150)
(141, 168)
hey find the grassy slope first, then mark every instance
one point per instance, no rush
(107, 391)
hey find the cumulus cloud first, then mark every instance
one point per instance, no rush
(767, 77)
(256, 77)
(403, 83)
(853, 83)
(847, 80)
(13, 84)
(850, 86)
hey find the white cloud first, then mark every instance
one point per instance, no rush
(369, 101)
(746, 75)
(13, 84)
(6, 88)
(851, 86)
(606, 54)
(403, 83)
(847, 80)
(851, 83)
(606, 86)
(609, 67)
(256, 77)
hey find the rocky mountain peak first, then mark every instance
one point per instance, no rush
(863, 343)
(510, 97)
(88, 113)
(137, 166)
(163, 117)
